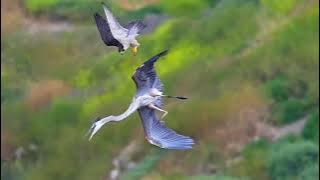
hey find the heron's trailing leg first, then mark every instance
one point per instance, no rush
(152, 106)
(177, 97)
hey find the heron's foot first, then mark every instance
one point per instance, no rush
(162, 122)
(164, 114)
(152, 106)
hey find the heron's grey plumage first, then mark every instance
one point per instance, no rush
(145, 79)
(159, 135)
(146, 101)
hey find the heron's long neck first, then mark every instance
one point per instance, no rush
(133, 107)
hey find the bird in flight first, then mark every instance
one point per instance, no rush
(148, 100)
(113, 34)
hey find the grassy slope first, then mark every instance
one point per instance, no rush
(215, 60)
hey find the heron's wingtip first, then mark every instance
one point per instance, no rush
(163, 53)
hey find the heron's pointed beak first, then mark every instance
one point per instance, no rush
(94, 129)
(134, 50)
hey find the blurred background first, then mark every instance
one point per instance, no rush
(249, 67)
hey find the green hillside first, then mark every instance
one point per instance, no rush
(245, 65)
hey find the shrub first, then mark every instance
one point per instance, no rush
(74, 9)
(292, 110)
(215, 177)
(288, 111)
(290, 160)
(9, 94)
(279, 7)
(311, 130)
(254, 162)
(64, 112)
(310, 173)
(278, 89)
(184, 7)
(145, 165)
(39, 5)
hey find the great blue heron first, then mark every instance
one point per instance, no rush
(147, 100)
(113, 34)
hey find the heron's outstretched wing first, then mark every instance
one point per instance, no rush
(159, 135)
(116, 29)
(145, 75)
(105, 32)
(135, 27)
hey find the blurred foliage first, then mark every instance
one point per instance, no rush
(145, 165)
(184, 7)
(72, 9)
(222, 53)
(37, 5)
(310, 173)
(214, 177)
(82, 10)
(278, 89)
(289, 111)
(311, 130)
(291, 160)
(278, 7)
(254, 162)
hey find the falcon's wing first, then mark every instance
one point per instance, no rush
(116, 29)
(105, 32)
(159, 135)
(135, 27)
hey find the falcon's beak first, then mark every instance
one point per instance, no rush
(134, 50)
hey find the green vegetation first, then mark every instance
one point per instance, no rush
(282, 7)
(237, 60)
(145, 165)
(255, 161)
(311, 130)
(292, 160)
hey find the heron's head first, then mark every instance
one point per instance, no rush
(97, 124)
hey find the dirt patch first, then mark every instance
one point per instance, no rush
(42, 93)
(34, 26)
(231, 123)
(11, 15)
